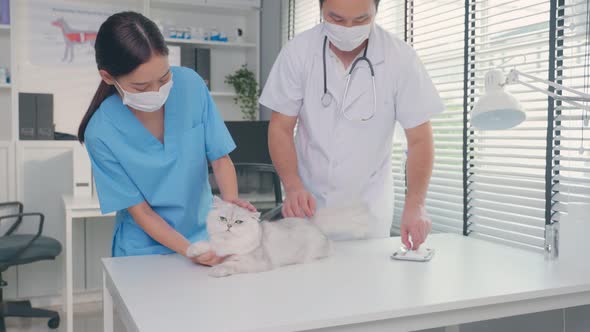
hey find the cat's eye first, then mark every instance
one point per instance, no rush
(223, 219)
(239, 222)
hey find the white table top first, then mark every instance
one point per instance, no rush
(359, 283)
(80, 202)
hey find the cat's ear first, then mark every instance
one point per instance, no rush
(257, 215)
(217, 202)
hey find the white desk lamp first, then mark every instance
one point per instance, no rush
(497, 109)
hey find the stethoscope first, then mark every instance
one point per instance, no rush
(327, 97)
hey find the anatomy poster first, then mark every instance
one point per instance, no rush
(64, 31)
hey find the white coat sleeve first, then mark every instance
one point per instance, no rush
(417, 99)
(283, 92)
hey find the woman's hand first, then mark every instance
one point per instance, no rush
(243, 204)
(208, 259)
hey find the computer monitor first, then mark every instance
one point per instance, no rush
(251, 138)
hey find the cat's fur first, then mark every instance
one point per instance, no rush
(255, 246)
(345, 222)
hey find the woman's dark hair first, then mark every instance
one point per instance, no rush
(125, 41)
(376, 3)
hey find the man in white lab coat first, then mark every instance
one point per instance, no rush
(342, 151)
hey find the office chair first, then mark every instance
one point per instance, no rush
(19, 249)
(274, 213)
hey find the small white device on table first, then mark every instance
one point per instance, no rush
(421, 255)
(358, 288)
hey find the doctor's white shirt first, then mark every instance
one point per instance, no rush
(343, 162)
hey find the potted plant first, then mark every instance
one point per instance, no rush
(244, 82)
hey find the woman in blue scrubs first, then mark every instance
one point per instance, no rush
(151, 131)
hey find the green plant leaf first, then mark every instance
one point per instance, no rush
(246, 87)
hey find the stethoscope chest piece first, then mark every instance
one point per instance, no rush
(327, 99)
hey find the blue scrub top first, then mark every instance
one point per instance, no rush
(131, 166)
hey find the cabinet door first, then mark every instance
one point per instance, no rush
(44, 175)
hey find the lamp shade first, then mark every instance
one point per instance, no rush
(497, 109)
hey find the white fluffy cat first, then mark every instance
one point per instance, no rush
(255, 246)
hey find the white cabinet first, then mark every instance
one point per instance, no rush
(44, 174)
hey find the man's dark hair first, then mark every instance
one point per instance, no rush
(376, 3)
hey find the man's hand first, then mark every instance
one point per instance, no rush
(299, 203)
(208, 259)
(415, 224)
(415, 221)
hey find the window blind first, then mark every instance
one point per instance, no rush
(435, 29)
(391, 16)
(571, 145)
(306, 15)
(506, 169)
(286, 18)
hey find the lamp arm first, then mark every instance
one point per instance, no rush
(558, 97)
(513, 77)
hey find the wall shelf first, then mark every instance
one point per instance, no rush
(4, 27)
(5, 86)
(215, 44)
(219, 9)
(223, 94)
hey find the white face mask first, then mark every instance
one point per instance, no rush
(150, 101)
(345, 38)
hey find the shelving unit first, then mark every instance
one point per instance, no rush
(223, 94)
(211, 44)
(218, 7)
(226, 57)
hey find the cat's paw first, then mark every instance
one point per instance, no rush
(220, 271)
(197, 249)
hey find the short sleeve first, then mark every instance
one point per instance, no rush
(218, 141)
(417, 100)
(283, 92)
(116, 191)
